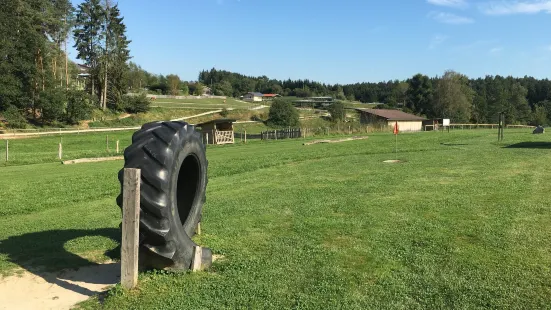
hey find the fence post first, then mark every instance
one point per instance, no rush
(130, 227)
(245, 136)
(206, 138)
(349, 132)
(7, 150)
(107, 142)
(117, 146)
(275, 134)
(197, 255)
(60, 151)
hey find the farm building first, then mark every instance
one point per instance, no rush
(268, 97)
(253, 97)
(387, 118)
(218, 131)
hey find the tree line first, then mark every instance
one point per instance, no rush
(38, 82)
(453, 95)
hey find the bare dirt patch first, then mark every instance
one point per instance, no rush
(60, 290)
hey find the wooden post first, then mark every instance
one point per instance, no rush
(207, 137)
(7, 150)
(130, 227)
(245, 136)
(117, 146)
(349, 132)
(197, 258)
(60, 151)
(198, 230)
(275, 134)
(107, 142)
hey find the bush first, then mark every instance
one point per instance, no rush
(52, 105)
(79, 106)
(283, 113)
(337, 111)
(136, 104)
(14, 118)
(224, 112)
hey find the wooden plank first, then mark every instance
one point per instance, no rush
(91, 160)
(130, 227)
(197, 258)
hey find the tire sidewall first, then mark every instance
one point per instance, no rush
(189, 146)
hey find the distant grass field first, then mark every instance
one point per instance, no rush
(207, 103)
(463, 223)
(155, 114)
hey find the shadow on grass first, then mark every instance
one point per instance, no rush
(44, 254)
(453, 144)
(530, 145)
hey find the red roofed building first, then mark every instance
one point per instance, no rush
(269, 96)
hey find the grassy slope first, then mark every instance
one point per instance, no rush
(203, 103)
(464, 223)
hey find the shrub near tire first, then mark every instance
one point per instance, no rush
(173, 167)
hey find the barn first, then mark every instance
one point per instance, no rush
(253, 97)
(387, 118)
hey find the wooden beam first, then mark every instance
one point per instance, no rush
(197, 258)
(130, 227)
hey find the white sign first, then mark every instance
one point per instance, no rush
(446, 122)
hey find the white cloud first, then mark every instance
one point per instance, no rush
(450, 3)
(437, 40)
(495, 50)
(449, 18)
(516, 7)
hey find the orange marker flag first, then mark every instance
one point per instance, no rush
(396, 128)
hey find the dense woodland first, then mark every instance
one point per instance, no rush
(524, 100)
(38, 83)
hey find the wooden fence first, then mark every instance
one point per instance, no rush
(290, 133)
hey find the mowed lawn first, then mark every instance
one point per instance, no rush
(463, 222)
(208, 103)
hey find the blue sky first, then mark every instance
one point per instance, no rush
(344, 41)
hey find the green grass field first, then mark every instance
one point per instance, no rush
(463, 222)
(208, 103)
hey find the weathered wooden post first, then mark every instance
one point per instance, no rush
(245, 136)
(130, 227)
(60, 151)
(275, 134)
(206, 138)
(117, 146)
(107, 142)
(197, 258)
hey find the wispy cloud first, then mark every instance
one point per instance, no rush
(515, 7)
(449, 18)
(437, 40)
(450, 3)
(495, 50)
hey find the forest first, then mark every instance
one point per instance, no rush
(40, 85)
(38, 82)
(453, 95)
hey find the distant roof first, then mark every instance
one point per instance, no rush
(217, 121)
(393, 115)
(256, 94)
(270, 95)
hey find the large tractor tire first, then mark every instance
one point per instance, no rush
(173, 166)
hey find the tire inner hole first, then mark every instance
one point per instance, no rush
(188, 182)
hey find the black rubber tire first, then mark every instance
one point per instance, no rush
(173, 166)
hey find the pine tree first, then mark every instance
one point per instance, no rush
(87, 37)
